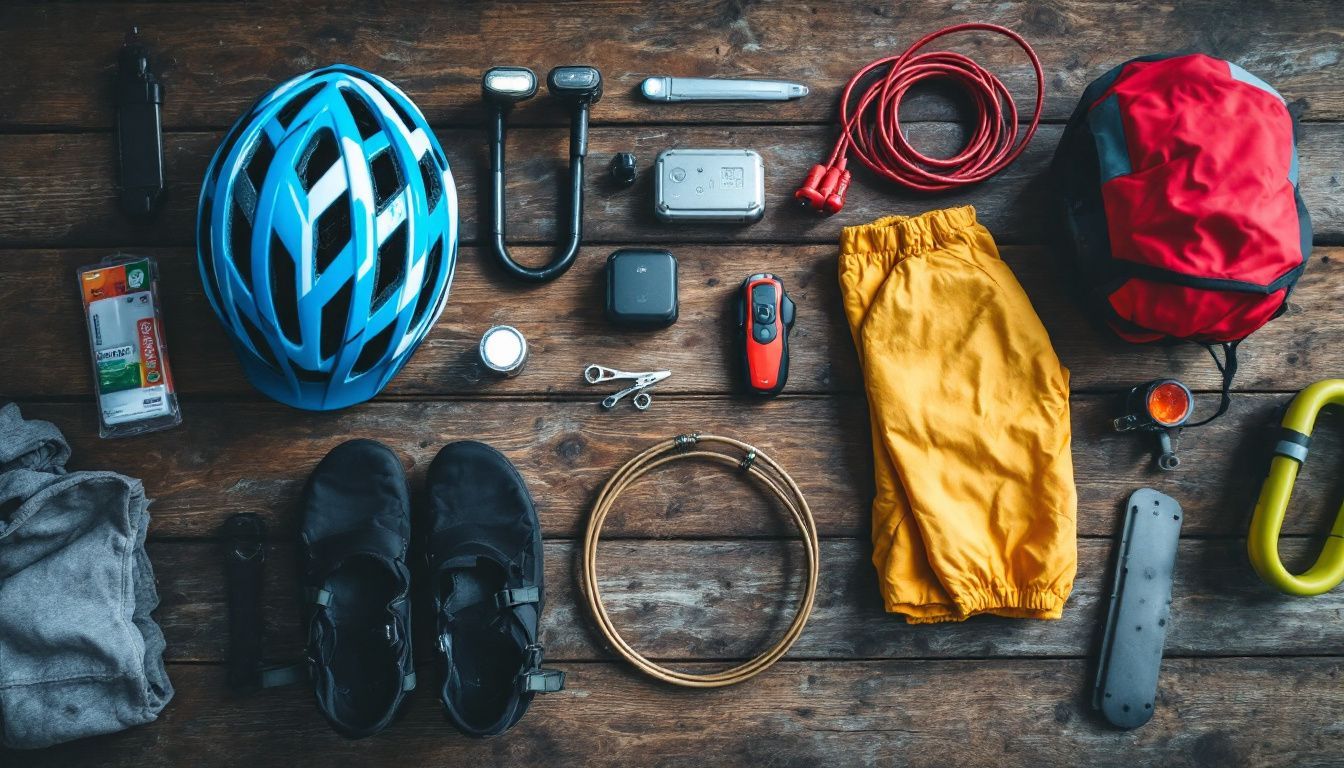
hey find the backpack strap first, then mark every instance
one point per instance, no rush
(1228, 367)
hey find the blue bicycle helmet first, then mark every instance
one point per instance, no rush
(327, 236)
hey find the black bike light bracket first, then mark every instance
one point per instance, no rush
(1161, 406)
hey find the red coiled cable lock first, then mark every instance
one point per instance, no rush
(870, 124)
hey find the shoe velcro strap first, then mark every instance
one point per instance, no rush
(460, 554)
(408, 682)
(543, 681)
(332, 550)
(508, 598)
(320, 597)
(532, 660)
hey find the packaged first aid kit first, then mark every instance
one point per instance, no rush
(131, 376)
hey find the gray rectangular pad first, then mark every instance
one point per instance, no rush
(1136, 627)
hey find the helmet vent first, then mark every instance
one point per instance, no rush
(260, 162)
(427, 289)
(430, 177)
(335, 318)
(322, 153)
(309, 377)
(259, 342)
(284, 289)
(240, 245)
(205, 250)
(297, 103)
(391, 266)
(406, 120)
(386, 178)
(359, 110)
(373, 351)
(332, 232)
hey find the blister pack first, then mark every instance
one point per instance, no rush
(132, 380)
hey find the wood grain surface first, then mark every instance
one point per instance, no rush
(678, 599)
(254, 457)
(566, 328)
(61, 188)
(1014, 713)
(217, 58)
(697, 568)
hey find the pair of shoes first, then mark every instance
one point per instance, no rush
(483, 544)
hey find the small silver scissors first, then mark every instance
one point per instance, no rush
(596, 374)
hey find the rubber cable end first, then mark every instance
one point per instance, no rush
(808, 195)
(836, 199)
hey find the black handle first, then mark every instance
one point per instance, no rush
(139, 134)
(244, 553)
(565, 253)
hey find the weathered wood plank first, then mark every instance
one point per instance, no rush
(253, 457)
(1226, 712)
(44, 353)
(712, 596)
(61, 186)
(729, 599)
(217, 58)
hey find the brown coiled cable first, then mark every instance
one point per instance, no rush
(746, 459)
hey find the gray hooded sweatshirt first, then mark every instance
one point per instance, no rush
(79, 654)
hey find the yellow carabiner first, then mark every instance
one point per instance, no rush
(1291, 451)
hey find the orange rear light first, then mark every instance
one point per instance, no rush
(1169, 403)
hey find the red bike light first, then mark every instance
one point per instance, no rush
(1169, 402)
(1159, 407)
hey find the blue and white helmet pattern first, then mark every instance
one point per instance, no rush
(327, 236)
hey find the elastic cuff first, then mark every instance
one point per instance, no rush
(922, 612)
(935, 618)
(1009, 603)
(903, 236)
(1022, 604)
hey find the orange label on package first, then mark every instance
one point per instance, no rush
(113, 281)
(152, 368)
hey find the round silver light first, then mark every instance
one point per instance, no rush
(503, 350)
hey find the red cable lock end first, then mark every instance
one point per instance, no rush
(828, 184)
(836, 199)
(808, 196)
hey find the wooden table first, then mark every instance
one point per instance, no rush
(1250, 678)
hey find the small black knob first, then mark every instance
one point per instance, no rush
(623, 168)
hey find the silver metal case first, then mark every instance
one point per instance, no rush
(722, 185)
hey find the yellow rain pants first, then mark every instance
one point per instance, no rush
(975, 510)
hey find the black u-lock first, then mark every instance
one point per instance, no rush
(502, 87)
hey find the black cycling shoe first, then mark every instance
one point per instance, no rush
(484, 552)
(356, 525)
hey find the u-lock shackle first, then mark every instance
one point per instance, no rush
(502, 87)
(1289, 454)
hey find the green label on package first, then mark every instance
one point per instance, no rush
(118, 375)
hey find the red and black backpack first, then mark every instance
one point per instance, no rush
(1177, 182)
